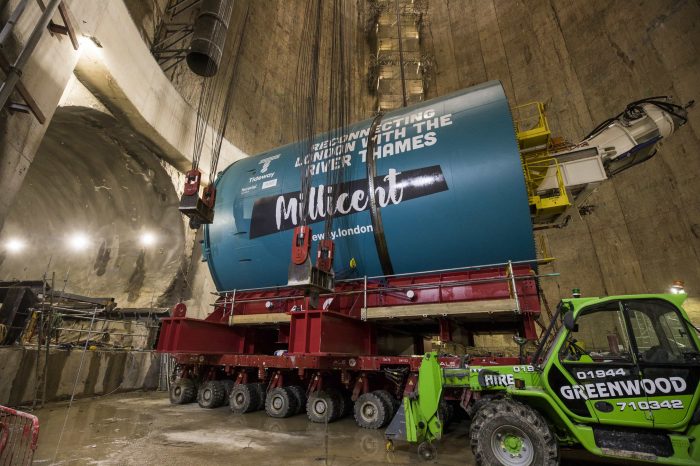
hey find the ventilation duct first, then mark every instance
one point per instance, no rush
(209, 37)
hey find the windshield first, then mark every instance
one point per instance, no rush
(660, 332)
(600, 335)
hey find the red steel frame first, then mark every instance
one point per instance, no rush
(335, 338)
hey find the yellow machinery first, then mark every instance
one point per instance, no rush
(562, 176)
(535, 141)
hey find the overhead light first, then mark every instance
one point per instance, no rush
(78, 241)
(678, 287)
(90, 40)
(14, 245)
(148, 239)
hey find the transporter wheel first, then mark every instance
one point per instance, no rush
(211, 394)
(300, 395)
(280, 402)
(261, 388)
(182, 392)
(446, 412)
(322, 406)
(371, 411)
(509, 433)
(339, 403)
(228, 386)
(389, 400)
(244, 398)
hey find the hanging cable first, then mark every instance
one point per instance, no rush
(305, 94)
(215, 101)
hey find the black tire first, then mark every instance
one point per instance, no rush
(371, 411)
(261, 388)
(211, 394)
(183, 391)
(280, 402)
(244, 398)
(228, 386)
(509, 433)
(338, 403)
(300, 395)
(389, 400)
(323, 406)
(446, 412)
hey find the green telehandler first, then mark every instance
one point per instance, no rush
(617, 376)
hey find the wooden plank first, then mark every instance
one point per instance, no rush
(63, 10)
(466, 308)
(19, 87)
(260, 319)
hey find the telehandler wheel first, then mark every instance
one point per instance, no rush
(509, 433)
(280, 402)
(211, 394)
(371, 411)
(322, 406)
(182, 392)
(244, 398)
(300, 395)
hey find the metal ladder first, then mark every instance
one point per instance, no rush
(13, 70)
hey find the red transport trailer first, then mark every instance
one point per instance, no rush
(268, 349)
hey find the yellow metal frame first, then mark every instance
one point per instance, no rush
(530, 135)
(534, 139)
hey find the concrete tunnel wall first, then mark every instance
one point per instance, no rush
(586, 61)
(93, 176)
(102, 372)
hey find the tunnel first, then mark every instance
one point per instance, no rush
(98, 213)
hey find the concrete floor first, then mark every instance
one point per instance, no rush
(144, 428)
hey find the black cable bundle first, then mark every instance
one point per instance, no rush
(309, 104)
(215, 102)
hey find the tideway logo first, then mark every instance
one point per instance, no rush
(267, 161)
(285, 211)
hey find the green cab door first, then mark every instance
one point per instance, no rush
(668, 359)
(602, 374)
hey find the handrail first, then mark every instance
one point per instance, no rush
(408, 274)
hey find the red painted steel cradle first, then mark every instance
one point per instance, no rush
(338, 338)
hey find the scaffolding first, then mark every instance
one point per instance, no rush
(36, 314)
(170, 44)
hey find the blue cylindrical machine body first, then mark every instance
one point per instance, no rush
(450, 189)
